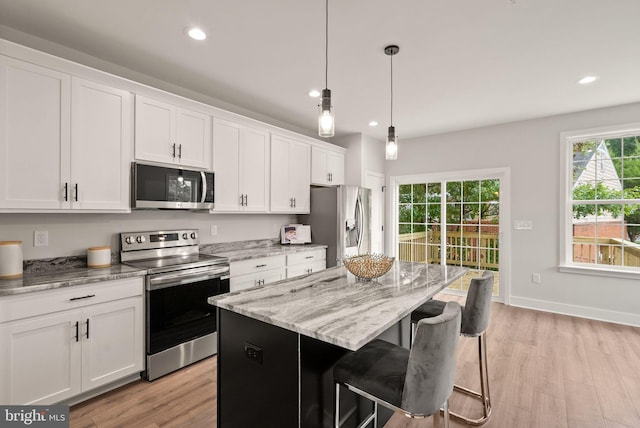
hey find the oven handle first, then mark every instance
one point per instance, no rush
(157, 282)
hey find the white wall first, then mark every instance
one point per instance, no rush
(72, 234)
(363, 153)
(531, 149)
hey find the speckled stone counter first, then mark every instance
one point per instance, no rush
(245, 252)
(47, 280)
(334, 307)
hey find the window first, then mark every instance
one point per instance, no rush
(601, 215)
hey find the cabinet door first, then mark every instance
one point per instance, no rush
(39, 360)
(112, 342)
(193, 138)
(155, 131)
(34, 135)
(300, 176)
(100, 146)
(335, 168)
(319, 172)
(226, 158)
(281, 197)
(254, 169)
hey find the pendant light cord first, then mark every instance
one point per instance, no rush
(391, 89)
(326, 44)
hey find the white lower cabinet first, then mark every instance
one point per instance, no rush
(256, 272)
(61, 343)
(306, 262)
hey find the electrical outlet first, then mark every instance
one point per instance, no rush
(214, 229)
(40, 238)
(536, 278)
(253, 352)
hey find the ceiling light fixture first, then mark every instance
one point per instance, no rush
(587, 79)
(391, 147)
(195, 33)
(326, 121)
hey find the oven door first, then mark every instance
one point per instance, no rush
(176, 305)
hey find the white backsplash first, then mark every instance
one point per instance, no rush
(72, 234)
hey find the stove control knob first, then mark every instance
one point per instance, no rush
(129, 240)
(140, 239)
(185, 235)
(194, 235)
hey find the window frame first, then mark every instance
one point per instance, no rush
(566, 263)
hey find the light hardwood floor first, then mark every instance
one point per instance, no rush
(546, 371)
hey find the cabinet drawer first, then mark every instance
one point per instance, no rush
(256, 279)
(306, 268)
(44, 302)
(257, 265)
(306, 257)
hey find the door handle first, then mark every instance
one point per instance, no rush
(204, 186)
(87, 328)
(66, 191)
(173, 153)
(75, 186)
(180, 151)
(77, 331)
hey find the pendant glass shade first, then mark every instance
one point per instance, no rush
(392, 144)
(326, 122)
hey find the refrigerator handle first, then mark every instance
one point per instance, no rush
(359, 219)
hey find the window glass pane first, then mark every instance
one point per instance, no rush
(490, 190)
(433, 214)
(471, 191)
(404, 213)
(419, 193)
(454, 191)
(419, 228)
(471, 213)
(433, 193)
(404, 228)
(433, 254)
(404, 192)
(453, 213)
(609, 189)
(419, 213)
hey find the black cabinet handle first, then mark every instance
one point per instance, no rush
(173, 152)
(180, 151)
(263, 265)
(77, 331)
(75, 186)
(87, 328)
(309, 257)
(88, 296)
(66, 191)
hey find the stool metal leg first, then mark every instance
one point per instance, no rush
(336, 413)
(484, 395)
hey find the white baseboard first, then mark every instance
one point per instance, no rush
(577, 311)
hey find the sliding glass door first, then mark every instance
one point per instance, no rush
(453, 221)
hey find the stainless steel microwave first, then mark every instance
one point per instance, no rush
(170, 188)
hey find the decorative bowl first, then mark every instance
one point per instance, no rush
(368, 266)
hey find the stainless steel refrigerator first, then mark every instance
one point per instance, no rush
(340, 218)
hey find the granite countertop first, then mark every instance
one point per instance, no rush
(238, 254)
(334, 307)
(66, 278)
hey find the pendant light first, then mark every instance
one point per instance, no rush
(391, 147)
(326, 122)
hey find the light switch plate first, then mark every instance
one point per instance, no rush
(40, 238)
(523, 224)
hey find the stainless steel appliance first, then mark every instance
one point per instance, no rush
(170, 188)
(340, 218)
(180, 324)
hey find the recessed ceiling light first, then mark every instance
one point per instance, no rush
(195, 33)
(587, 79)
(373, 123)
(314, 93)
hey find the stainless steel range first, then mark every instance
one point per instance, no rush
(180, 324)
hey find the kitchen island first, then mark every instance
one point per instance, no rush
(277, 344)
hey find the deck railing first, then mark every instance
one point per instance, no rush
(462, 248)
(606, 251)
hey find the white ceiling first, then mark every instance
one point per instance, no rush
(462, 63)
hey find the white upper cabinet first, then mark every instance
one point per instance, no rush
(101, 137)
(290, 175)
(241, 166)
(50, 165)
(172, 134)
(327, 167)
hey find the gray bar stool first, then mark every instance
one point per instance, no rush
(416, 382)
(475, 320)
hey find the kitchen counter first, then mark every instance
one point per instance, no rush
(287, 336)
(335, 308)
(238, 254)
(65, 278)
